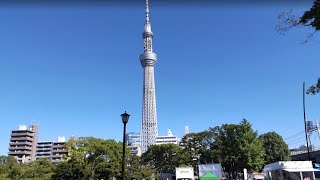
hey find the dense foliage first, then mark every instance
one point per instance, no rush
(199, 146)
(310, 18)
(166, 157)
(91, 158)
(235, 146)
(314, 89)
(140, 169)
(238, 147)
(41, 169)
(275, 147)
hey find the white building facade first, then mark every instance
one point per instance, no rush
(169, 139)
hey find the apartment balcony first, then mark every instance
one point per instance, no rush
(44, 143)
(47, 157)
(21, 138)
(21, 131)
(20, 148)
(56, 160)
(57, 156)
(21, 143)
(19, 153)
(43, 156)
(60, 151)
(43, 149)
(43, 152)
(22, 134)
(58, 146)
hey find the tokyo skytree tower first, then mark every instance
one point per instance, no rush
(149, 131)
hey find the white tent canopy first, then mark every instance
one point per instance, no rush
(290, 166)
(301, 170)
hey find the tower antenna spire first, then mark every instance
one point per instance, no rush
(147, 11)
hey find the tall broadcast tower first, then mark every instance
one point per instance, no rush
(149, 111)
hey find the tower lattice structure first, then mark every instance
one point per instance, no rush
(148, 59)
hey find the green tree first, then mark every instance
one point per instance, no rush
(238, 147)
(310, 18)
(14, 168)
(138, 170)
(275, 147)
(199, 146)
(70, 170)
(314, 89)
(92, 158)
(3, 171)
(41, 169)
(3, 159)
(166, 157)
(3, 167)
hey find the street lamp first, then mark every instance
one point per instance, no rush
(125, 118)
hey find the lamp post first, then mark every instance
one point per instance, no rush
(125, 118)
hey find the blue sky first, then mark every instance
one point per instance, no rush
(74, 70)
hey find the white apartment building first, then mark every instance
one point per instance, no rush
(169, 139)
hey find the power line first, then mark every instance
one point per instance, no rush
(294, 136)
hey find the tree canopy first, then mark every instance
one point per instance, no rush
(275, 147)
(314, 89)
(91, 158)
(141, 170)
(199, 145)
(235, 146)
(310, 18)
(166, 157)
(238, 147)
(41, 169)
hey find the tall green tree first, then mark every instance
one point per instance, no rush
(3, 159)
(92, 158)
(166, 157)
(275, 147)
(199, 145)
(41, 169)
(3, 167)
(238, 147)
(139, 170)
(71, 170)
(14, 168)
